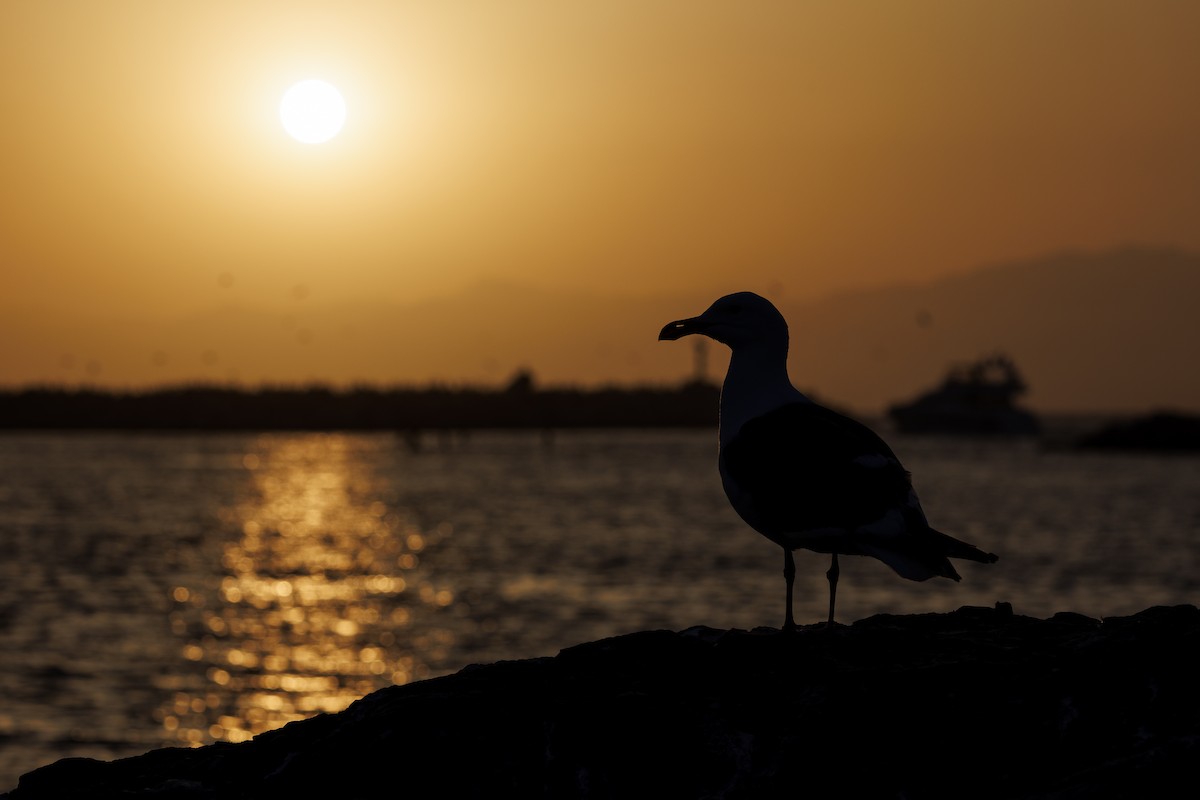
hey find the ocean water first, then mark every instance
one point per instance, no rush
(183, 589)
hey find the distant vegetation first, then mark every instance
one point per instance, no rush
(519, 405)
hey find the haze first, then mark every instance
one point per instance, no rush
(642, 150)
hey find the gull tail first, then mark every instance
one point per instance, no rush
(953, 548)
(924, 554)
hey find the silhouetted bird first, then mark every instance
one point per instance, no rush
(805, 476)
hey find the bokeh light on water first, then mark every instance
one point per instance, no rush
(319, 585)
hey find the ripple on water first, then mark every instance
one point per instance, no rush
(168, 589)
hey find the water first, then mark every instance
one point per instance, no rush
(170, 589)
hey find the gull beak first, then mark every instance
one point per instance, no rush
(680, 328)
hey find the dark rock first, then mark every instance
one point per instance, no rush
(976, 703)
(1160, 432)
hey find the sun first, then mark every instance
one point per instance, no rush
(312, 111)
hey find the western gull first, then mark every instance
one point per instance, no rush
(803, 475)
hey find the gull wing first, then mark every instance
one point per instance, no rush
(805, 467)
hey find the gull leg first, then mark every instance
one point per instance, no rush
(789, 575)
(832, 575)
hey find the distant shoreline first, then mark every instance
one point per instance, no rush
(407, 409)
(214, 408)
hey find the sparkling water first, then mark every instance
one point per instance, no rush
(182, 589)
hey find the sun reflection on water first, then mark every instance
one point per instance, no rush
(316, 606)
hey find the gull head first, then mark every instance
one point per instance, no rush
(739, 320)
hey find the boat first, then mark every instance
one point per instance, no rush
(976, 398)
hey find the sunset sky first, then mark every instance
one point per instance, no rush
(625, 148)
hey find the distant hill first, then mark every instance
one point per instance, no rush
(1114, 331)
(1111, 331)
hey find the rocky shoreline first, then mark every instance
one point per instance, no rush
(980, 702)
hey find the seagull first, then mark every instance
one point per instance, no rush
(805, 476)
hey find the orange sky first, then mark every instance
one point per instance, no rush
(618, 147)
